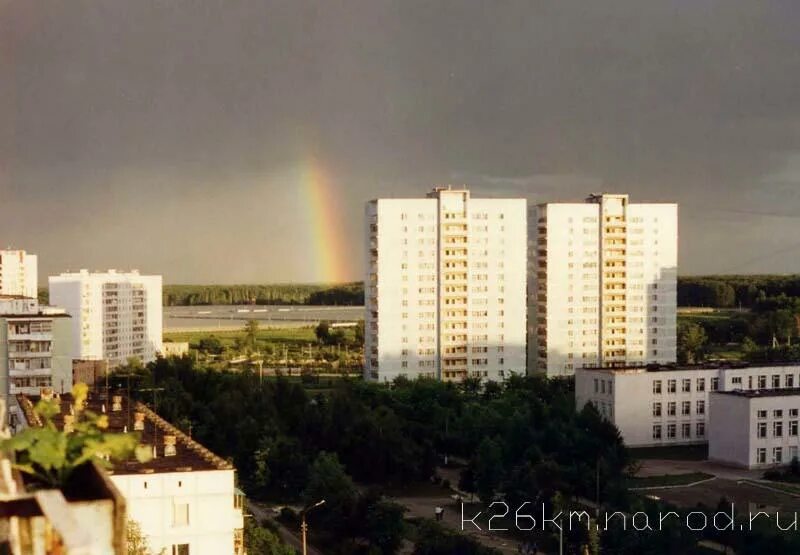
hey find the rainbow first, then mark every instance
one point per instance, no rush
(326, 234)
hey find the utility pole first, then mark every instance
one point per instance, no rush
(304, 526)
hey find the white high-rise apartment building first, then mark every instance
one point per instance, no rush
(18, 273)
(445, 287)
(603, 284)
(115, 315)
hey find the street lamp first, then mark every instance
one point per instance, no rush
(304, 526)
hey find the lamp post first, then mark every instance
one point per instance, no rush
(304, 526)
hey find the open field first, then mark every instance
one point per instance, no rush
(283, 335)
(678, 453)
(744, 495)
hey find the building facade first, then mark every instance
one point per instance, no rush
(445, 287)
(115, 315)
(18, 273)
(670, 405)
(34, 349)
(602, 287)
(184, 499)
(754, 428)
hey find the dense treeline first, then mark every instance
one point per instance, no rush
(735, 290)
(523, 438)
(191, 295)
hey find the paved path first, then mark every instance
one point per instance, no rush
(659, 467)
(424, 507)
(289, 537)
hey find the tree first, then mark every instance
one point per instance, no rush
(211, 345)
(250, 334)
(692, 340)
(383, 525)
(137, 541)
(323, 331)
(328, 480)
(488, 469)
(261, 541)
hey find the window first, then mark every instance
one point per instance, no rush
(762, 382)
(657, 431)
(687, 385)
(762, 414)
(656, 409)
(736, 380)
(793, 428)
(671, 431)
(789, 380)
(700, 429)
(701, 407)
(180, 514)
(686, 408)
(776, 381)
(777, 429)
(714, 384)
(671, 408)
(657, 387)
(777, 455)
(778, 413)
(686, 430)
(701, 384)
(762, 429)
(180, 549)
(761, 455)
(671, 386)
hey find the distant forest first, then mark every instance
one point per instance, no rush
(734, 291)
(707, 291)
(349, 294)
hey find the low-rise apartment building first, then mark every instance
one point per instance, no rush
(34, 350)
(185, 498)
(754, 428)
(669, 405)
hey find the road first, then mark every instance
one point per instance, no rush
(288, 537)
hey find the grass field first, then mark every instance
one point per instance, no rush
(672, 453)
(289, 335)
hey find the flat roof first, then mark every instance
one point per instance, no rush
(190, 455)
(678, 368)
(758, 393)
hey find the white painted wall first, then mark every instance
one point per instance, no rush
(212, 517)
(407, 317)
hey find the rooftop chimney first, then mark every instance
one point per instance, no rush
(169, 445)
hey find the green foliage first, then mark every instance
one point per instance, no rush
(351, 294)
(136, 540)
(49, 455)
(383, 524)
(488, 470)
(328, 480)
(692, 340)
(735, 290)
(250, 335)
(261, 541)
(434, 539)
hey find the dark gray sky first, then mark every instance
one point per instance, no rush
(176, 137)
